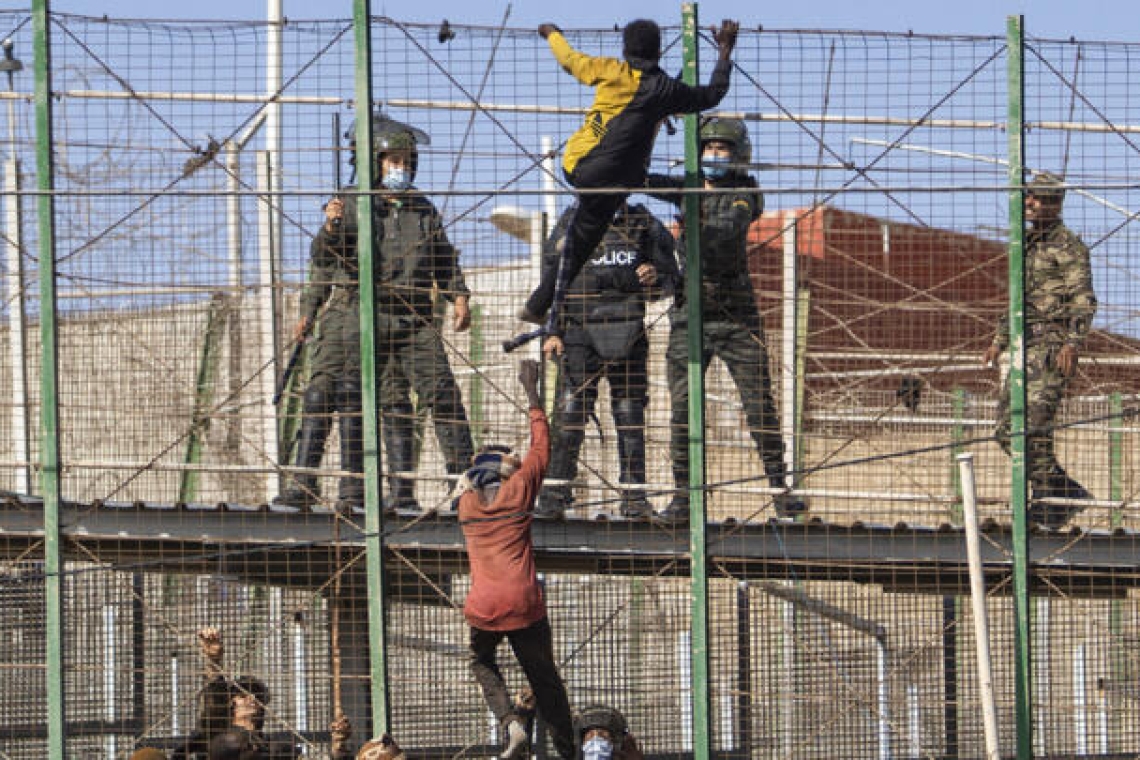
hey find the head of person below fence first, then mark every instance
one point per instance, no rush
(603, 734)
(384, 748)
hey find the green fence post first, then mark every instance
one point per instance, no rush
(203, 397)
(1119, 651)
(699, 623)
(373, 518)
(957, 435)
(1023, 701)
(1116, 458)
(49, 385)
(478, 357)
(803, 314)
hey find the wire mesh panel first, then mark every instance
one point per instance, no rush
(855, 285)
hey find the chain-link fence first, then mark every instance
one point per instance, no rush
(212, 442)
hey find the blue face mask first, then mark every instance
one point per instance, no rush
(716, 167)
(597, 748)
(397, 179)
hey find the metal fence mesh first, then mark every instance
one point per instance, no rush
(190, 181)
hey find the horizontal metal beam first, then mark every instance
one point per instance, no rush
(299, 549)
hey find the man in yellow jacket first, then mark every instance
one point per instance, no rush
(611, 150)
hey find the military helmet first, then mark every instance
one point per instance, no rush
(1046, 185)
(389, 135)
(731, 131)
(602, 716)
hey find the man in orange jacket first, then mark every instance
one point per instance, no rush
(496, 508)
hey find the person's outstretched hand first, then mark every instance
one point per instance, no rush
(725, 37)
(528, 379)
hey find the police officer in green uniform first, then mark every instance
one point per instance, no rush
(334, 368)
(733, 329)
(602, 335)
(413, 258)
(1059, 309)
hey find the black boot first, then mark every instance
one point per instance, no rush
(351, 425)
(1058, 485)
(399, 448)
(786, 503)
(552, 503)
(629, 419)
(304, 492)
(677, 513)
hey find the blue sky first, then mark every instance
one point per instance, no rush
(1090, 20)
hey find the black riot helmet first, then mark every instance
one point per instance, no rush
(389, 135)
(602, 716)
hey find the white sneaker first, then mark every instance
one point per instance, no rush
(517, 741)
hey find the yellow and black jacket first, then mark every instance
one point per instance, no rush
(633, 97)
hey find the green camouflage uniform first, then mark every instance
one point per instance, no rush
(733, 329)
(1059, 309)
(413, 258)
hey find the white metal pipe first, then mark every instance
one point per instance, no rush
(110, 655)
(884, 717)
(468, 105)
(272, 110)
(276, 636)
(267, 321)
(978, 605)
(1042, 673)
(914, 722)
(1080, 702)
(727, 720)
(300, 677)
(895, 371)
(788, 346)
(170, 290)
(549, 180)
(789, 667)
(175, 691)
(685, 678)
(985, 160)
(17, 348)
(233, 215)
(1102, 727)
(896, 419)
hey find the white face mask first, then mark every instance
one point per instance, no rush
(396, 178)
(715, 167)
(598, 748)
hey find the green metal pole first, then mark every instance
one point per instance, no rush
(1116, 457)
(957, 435)
(1119, 650)
(478, 357)
(803, 313)
(373, 519)
(1023, 682)
(699, 623)
(203, 397)
(49, 385)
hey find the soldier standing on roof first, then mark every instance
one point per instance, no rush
(412, 255)
(1059, 309)
(733, 329)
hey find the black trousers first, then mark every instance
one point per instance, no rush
(585, 231)
(534, 649)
